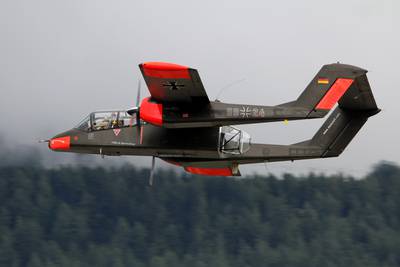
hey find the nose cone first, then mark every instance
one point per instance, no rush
(60, 143)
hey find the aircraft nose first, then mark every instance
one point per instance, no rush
(60, 143)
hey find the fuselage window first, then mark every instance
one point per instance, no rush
(124, 119)
(84, 125)
(104, 120)
(107, 120)
(112, 120)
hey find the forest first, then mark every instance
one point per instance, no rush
(77, 216)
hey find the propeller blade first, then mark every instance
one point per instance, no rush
(138, 132)
(138, 93)
(138, 126)
(153, 163)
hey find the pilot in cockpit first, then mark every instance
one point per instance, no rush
(103, 124)
(114, 122)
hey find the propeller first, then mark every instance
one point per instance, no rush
(151, 178)
(136, 110)
(138, 126)
(138, 93)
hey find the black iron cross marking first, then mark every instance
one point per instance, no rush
(173, 85)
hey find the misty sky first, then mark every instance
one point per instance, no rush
(60, 60)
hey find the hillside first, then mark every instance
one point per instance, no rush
(110, 217)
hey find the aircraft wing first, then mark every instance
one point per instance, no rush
(179, 100)
(174, 84)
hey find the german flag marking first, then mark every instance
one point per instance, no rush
(323, 81)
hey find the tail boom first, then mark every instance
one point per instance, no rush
(356, 104)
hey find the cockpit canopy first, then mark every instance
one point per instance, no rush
(103, 120)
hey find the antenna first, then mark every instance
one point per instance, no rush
(228, 86)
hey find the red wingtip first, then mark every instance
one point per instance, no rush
(165, 70)
(163, 66)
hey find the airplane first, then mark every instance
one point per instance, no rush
(179, 124)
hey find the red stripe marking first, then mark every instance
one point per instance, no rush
(165, 70)
(151, 112)
(210, 171)
(335, 93)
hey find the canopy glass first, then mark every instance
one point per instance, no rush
(103, 120)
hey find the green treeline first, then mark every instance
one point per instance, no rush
(110, 217)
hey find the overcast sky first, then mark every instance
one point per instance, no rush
(60, 60)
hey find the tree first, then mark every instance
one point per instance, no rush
(110, 217)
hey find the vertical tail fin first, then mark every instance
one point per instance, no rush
(355, 106)
(338, 130)
(328, 87)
